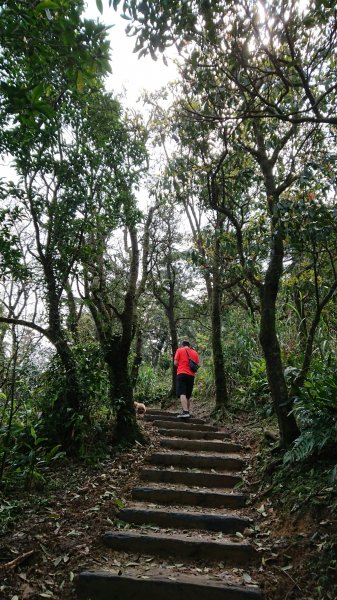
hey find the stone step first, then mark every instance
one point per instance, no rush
(225, 463)
(184, 424)
(193, 435)
(230, 553)
(161, 411)
(165, 495)
(184, 520)
(173, 418)
(201, 445)
(102, 585)
(194, 478)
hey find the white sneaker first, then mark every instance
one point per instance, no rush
(184, 415)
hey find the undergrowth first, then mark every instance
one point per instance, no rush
(307, 490)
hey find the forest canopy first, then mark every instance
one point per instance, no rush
(236, 248)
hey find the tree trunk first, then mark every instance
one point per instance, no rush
(60, 419)
(126, 429)
(73, 396)
(268, 296)
(116, 347)
(221, 392)
(137, 361)
(271, 348)
(174, 347)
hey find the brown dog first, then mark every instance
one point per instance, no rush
(140, 408)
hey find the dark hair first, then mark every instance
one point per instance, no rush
(185, 343)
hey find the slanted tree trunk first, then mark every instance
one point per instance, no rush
(271, 347)
(73, 396)
(289, 430)
(116, 347)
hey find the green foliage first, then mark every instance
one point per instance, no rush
(152, 385)
(28, 456)
(240, 348)
(10, 254)
(9, 510)
(316, 411)
(46, 51)
(258, 388)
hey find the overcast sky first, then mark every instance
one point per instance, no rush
(128, 72)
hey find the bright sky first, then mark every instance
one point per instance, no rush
(129, 73)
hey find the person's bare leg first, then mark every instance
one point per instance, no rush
(184, 402)
(189, 404)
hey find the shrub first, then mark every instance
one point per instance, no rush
(316, 412)
(152, 386)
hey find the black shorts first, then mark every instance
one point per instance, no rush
(185, 385)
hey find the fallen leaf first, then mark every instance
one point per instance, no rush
(27, 592)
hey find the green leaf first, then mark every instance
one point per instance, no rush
(46, 4)
(99, 5)
(80, 82)
(44, 108)
(37, 92)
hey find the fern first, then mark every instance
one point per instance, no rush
(316, 412)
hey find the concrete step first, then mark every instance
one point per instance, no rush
(184, 424)
(165, 495)
(191, 461)
(194, 478)
(230, 553)
(184, 520)
(173, 418)
(193, 434)
(201, 445)
(102, 585)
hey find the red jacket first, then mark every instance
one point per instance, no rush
(181, 357)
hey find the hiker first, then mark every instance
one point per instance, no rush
(186, 360)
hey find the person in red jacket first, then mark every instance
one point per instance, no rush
(185, 376)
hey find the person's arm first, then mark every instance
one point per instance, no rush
(175, 362)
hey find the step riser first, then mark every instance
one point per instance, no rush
(102, 586)
(193, 435)
(227, 525)
(231, 554)
(224, 447)
(211, 480)
(172, 418)
(174, 497)
(183, 424)
(199, 462)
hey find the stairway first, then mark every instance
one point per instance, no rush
(185, 508)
